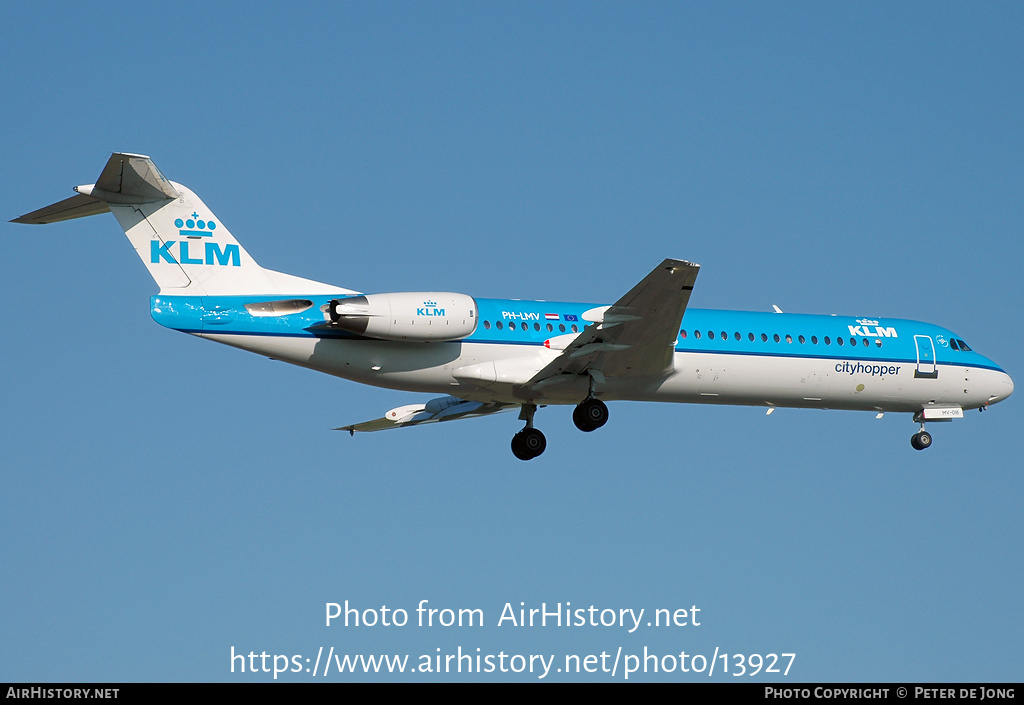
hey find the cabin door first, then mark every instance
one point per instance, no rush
(925, 357)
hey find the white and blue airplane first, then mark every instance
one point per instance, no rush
(492, 355)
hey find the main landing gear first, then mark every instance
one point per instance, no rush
(589, 415)
(530, 442)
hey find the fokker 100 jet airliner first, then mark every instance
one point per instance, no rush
(492, 355)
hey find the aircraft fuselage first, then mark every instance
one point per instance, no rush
(720, 357)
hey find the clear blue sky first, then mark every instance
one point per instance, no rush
(164, 499)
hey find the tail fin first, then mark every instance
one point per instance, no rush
(184, 247)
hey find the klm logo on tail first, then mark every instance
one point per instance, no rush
(190, 224)
(193, 229)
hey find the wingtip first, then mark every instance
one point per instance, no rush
(674, 262)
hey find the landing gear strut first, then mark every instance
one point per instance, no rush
(590, 415)
(530, 442)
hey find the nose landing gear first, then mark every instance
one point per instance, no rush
(921, 440)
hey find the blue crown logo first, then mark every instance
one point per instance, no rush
(193, 227)
(430, 303)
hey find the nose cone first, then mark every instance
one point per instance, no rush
(1001, 387)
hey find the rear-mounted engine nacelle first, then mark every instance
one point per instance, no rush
(421, 316)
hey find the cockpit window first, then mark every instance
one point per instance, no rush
(952, 344)
(964, 346)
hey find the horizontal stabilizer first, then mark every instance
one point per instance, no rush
(126, 179)
(75, 207)
(134, 176)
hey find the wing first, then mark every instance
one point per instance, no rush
(441, 409)
(635, 336)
